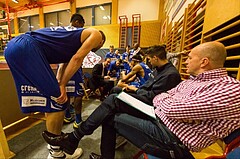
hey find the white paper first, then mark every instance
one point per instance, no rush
(137, 104)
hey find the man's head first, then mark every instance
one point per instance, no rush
(127, 48)
(205, 57)
(77, 20)
(101, 43)
(157, 55)
(135, 46)
(118, 62)
(136, 59)
(116, 52)
(111, 48)
(107, 62)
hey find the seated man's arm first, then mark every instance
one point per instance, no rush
(213, 102)
(133, 72)
(162, 84)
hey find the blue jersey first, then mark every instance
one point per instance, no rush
(58, 44)
(125, 56)
(110, 55)
(139, 79)
(114, 69)
(117, 56)
(36, 83)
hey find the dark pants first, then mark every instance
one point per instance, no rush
(104, 84)
(149, 135)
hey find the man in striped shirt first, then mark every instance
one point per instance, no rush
(191, 116)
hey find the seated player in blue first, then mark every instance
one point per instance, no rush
(114, 68)
(125, 57)
(110, 54)
(117, 55)
(126, 54)
(139, 74)
(29, 57)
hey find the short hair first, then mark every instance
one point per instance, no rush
(78, 17)
(120, 60)
(157, 50)
(137, 58)
(103, 36)
(111, 46)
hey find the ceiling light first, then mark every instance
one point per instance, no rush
(15, 1)
(101, 7)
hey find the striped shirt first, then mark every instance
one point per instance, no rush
(201, 110)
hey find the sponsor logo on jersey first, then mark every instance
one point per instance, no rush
(29, 101)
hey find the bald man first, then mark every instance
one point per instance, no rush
(191, 116)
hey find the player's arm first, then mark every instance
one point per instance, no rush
(90, 38)
(134, 71)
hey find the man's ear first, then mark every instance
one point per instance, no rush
(204, 62)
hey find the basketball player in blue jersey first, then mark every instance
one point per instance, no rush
(29, 57)
(139, 73)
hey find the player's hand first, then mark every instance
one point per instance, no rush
(63, 97)
(131, 88)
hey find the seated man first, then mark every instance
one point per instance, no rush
(116, 54)
(110, 54)
(139, 73)
(99, 76)
(191, 116)
(114, 68)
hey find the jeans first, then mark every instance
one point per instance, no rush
(150, 135)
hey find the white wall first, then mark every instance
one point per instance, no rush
(148, 9)
(174, 6)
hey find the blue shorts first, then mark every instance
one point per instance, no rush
(73, 87)
(34, 79)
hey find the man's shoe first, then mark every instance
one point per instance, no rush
(68, 120)
(76, 125)
(78, 152)
(95, 156)
(61, 140)
(120, 141)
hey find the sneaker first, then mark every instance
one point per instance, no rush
(95, 156)
(68, 120)
(75, 125)
(60, 140)
(120, 141)
(55, 152)
(78, 152)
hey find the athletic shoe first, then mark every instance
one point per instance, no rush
(56, 155)
(68, 120)
(61, 140)
(75, 125)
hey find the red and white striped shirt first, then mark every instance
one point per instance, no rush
(202, 109)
